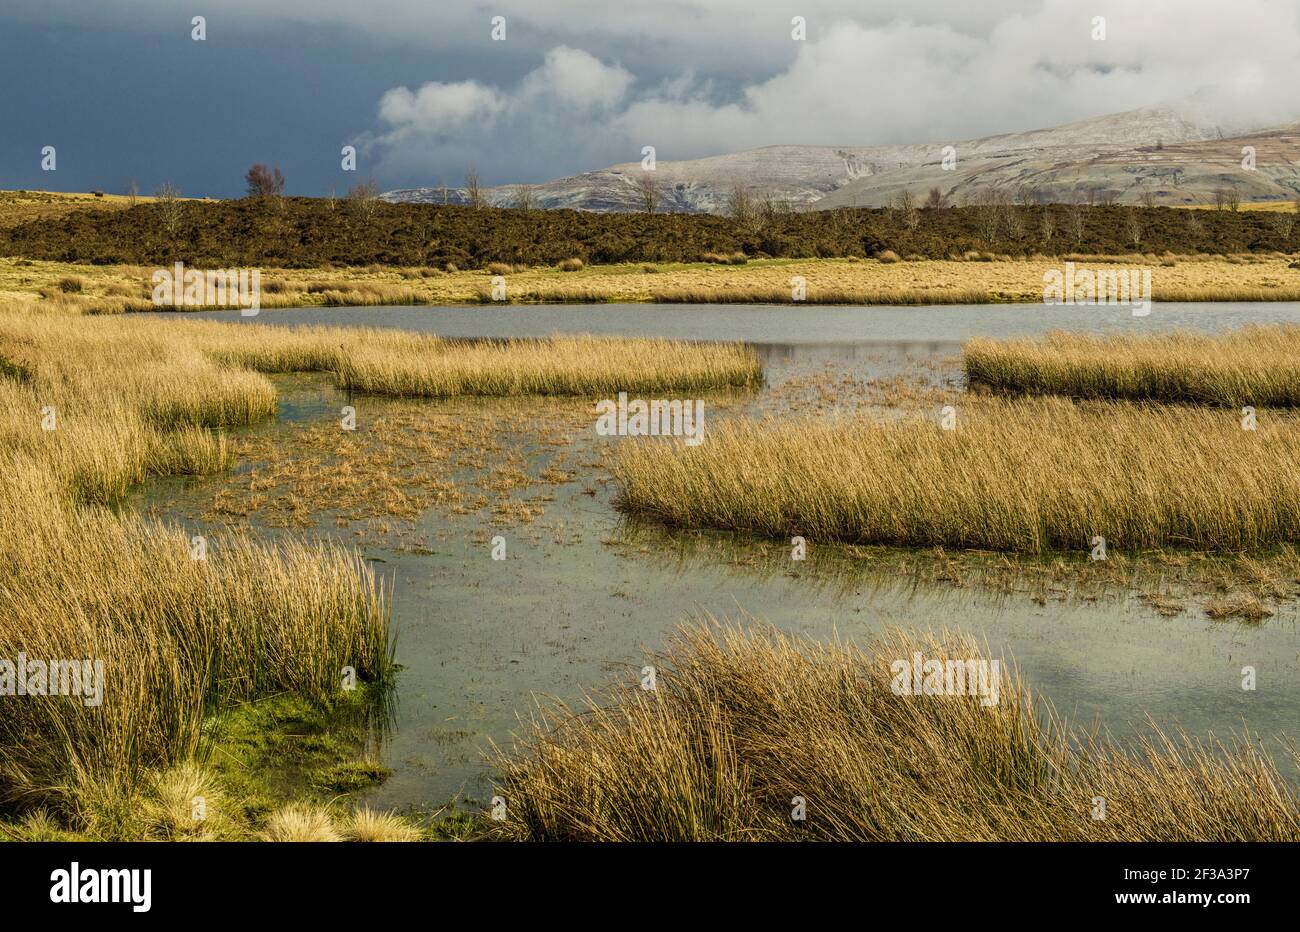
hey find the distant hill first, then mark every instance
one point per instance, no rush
(1177, 156)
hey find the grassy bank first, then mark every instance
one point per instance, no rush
(983, 279)
(1020, 475)
(742, 722)
(1256, 366)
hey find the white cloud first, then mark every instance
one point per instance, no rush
(861, 83)
(577, 79)
(440, 107)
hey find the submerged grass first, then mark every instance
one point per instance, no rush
(1030, 475)
(1256, 365)
(745, 721)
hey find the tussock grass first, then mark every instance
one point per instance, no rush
(177, 636)
(743, 721)
(1257, 365)
(368, 825)
(555, 366)
(1028, 475)
(297, 822)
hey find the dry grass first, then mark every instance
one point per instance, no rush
(368, 825)
(742, 722)
(1257, 366)
(1027, 475)
(113, 289)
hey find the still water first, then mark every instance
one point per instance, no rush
(581, 594)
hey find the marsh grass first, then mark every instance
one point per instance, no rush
(1256, 365)
(86, 412)
(91, 406)
(745, 719)
(178, 637)
(1030, 475)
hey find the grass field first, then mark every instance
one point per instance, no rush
(1256, 366)
(114, 289)
(744, 724)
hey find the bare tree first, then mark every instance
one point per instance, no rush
(1013, 219)
(1148, 199)
(132, 193)
(988, 215)
(1074, 222)
(523, 199)
(1220, 198)
(363, 200)
(167, 200)
(772, 207)
(1046, 226)
(261, 181)
(1133, 226)
(1234, 197)
(473, 190)
(903, 209)
(934, 200)
(740, 204)
(1026, 196)
(647, 194)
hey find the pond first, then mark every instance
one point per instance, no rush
(581, 592)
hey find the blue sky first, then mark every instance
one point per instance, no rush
(123, 93)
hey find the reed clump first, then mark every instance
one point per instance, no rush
(1257, 365)
(556, 366)
(169, 629)
(1028, 474)
(745, 724)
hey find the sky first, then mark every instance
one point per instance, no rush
(421, 88)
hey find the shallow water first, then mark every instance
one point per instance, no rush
(580, 594)
(767, 323)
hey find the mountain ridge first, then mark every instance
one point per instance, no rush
(1175, 155)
